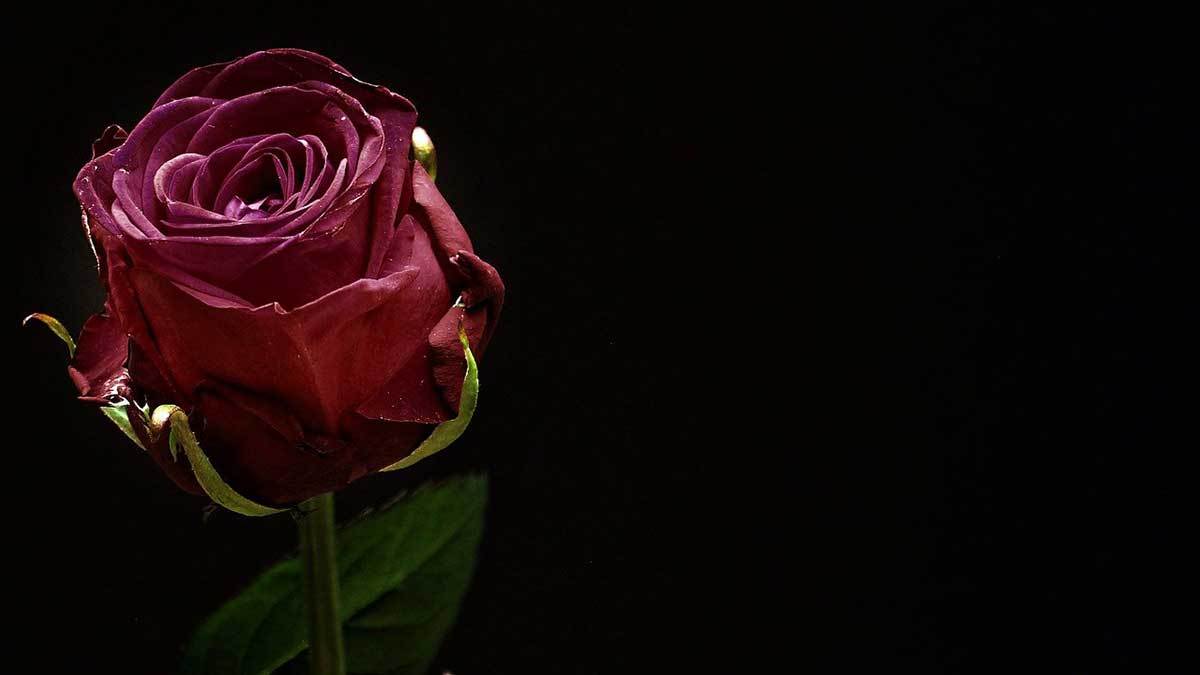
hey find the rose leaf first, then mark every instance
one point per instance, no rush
(403, 571)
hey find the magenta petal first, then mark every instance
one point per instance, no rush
(191, 224)
(168, 145)
(134, 155)
(190, 84)
(93, 187)
(292, 110)
(165, 176)
(395, 113)
(214, 170)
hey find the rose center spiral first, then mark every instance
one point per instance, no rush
(256, 195)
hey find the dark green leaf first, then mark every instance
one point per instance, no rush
(403, 572)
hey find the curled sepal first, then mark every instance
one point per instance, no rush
(119, 414)
(424, 152)
(206, 474)
(55, 327)
(448, 432)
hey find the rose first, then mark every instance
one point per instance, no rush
(278, 267)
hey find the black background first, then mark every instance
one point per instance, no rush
(840, 338)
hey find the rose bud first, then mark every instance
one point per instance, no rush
(283, 280)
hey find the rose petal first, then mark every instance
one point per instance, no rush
(295, 110)
(112, 137)
(165, 176)
(98, 367)
(319, 359)
(215, 170)
(263, 451)
(134, 155)
(255, 444)
(288, 66)
(431, 207)
(190, 84)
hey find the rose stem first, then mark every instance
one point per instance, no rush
(318, 552)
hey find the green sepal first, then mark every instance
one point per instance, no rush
(424, 152)
(55, 327)
(180, 433)
(448, 432)
(119, 414)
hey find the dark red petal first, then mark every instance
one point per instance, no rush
(262, 450)
(409, 396)
(320, 359)
(98, 367)
(483, 295)
(254, 444)
(431, 207)
(124, 306)
(379, 443)
(112, 137)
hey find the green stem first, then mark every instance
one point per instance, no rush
(318, 552)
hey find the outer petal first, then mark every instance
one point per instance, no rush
(428, 388)
(433, 211)
(480, 289)
(123, 307)
(480, 285)
(99, 371)
(320, 359)
(98, 367)
(263, 451)
(112, 137)
(190, 84)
